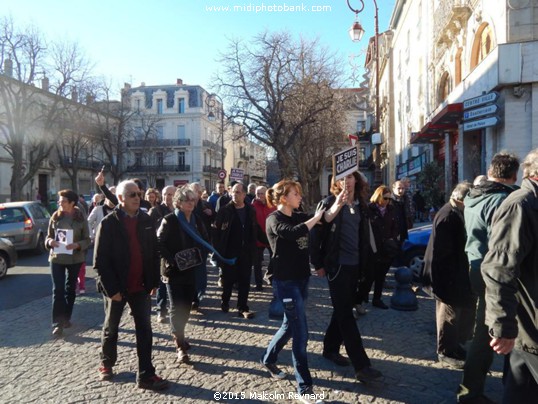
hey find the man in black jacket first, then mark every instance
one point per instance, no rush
(127, 264)
(510, 271)
(446, 277)
(234, 236)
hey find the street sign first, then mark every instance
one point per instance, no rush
(345, 162)
(237, 174)
(353, 139)
(481, 123)
(477, 112)
(481, 100)
(222, 174)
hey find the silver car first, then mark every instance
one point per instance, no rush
(25, 224)
(8, 256)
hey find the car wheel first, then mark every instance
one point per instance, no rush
(414, 260)
(3, 265)
(40, 246)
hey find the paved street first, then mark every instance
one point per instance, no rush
(225, 353)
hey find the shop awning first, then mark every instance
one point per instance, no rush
(445, 120)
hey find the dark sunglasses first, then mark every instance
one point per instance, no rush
(387, 198)
(133, 194)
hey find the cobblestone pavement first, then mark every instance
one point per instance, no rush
(225, 352)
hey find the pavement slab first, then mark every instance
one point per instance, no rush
(225, 355)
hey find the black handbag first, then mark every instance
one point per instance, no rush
(188, 258)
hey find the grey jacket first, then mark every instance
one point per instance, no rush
(510, 269)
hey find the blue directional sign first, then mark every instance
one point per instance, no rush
(478, 112)
(481, 123)
(481, 100)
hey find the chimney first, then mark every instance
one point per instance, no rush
(126, 86)
(143, 84)
(74, 94)
(8, 67)
(179, 82)
(45, 83)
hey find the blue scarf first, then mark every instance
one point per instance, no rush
(190, 230)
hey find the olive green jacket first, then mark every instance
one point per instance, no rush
(81, 235)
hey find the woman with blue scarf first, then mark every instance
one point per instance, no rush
(181, 238)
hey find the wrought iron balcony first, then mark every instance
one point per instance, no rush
(212, 145)
(158, 142)
(153, 168)
(210, 169)
(82, 163)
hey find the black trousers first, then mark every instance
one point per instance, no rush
(375, 276)
(343, 327)
(520, 378)
(240, 273)
(454, 326)
(140, 304)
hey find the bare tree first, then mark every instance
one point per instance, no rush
(277, 88)
(29, 116)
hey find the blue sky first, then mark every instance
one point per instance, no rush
(158, 41)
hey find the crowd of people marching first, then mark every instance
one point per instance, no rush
(151, 242)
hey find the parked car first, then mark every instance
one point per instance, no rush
(8, 256)
(414, 248)
(25, 224)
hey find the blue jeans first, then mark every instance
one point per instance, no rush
(276, 310)
(140, 304)
(63, 292)
(293, 295)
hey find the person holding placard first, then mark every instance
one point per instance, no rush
(340, 249)
(68, 238)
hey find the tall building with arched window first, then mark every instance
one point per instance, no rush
(464, 84)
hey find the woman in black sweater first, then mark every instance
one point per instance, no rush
(287, 231)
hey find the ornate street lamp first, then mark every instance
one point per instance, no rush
(356, 32)
(211, 103)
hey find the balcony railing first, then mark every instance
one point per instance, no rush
(159, 168)
(158, 143)
(210, 169)
(82, 163)
(211, 145)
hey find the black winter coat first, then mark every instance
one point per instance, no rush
(112, 256)
(446, 269)
(325, 240)
(171, 238)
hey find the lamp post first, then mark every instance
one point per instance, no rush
(211, 116)
(356, 32)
